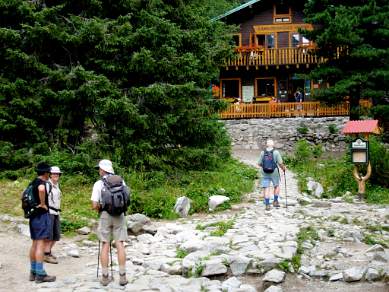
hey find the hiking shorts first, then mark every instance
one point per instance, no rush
(55, 228)
(39, 226)
(112, 227)
(274, 179)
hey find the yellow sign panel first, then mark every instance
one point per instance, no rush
(261, 29)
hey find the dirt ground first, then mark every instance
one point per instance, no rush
(15, 264)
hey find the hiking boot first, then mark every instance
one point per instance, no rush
(44, 278)
(32, 276)
(123, 280)
(50, 259)
(267, 208)
(276, 204)
(105, 280)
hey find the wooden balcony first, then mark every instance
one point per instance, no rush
(256, 57)
(284, 109)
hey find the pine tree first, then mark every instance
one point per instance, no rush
(360, 30)
(133, 75)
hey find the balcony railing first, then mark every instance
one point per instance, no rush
(284, 109)
(265, 57)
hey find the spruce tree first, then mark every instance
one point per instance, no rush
(353, 36)
(128, 78)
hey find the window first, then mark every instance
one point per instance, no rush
(298, 40)
(307, 89)
(282, 13)
(270, 43)
(230, 88)
(283, 90)
(265, 87)
(260, 40)
(236, 40)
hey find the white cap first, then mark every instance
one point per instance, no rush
(106, 165)
(55, 169)
(269, 144)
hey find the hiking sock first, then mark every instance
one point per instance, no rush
(275, 198)
(104, 270)
(122, 270)
(39, 269)
(267, 201)
(33, 267)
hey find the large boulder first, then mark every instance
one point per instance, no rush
(182, 206)
(216, 200)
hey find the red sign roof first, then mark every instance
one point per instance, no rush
(365, 126)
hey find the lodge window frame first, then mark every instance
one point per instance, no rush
(301, 44)
(254, 40)
(231, 79)
(239, 35)
(284, 18)
(275, 86)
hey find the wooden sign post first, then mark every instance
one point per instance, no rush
(360, 149)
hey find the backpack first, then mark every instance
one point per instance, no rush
(29, 202)
(268, 163)
(115, 195)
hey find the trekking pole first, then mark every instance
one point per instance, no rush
(286, 193)
(98, 261)
(110, 251)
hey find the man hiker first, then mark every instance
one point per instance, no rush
(39, 225)
(109, 225)
(54, 209)
(269, 161)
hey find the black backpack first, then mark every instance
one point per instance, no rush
(29, 202)
(115, 195)
(268, 163)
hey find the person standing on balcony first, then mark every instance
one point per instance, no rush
(298, 96)
(270, 161)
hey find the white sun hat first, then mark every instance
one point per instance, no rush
(55, 169)
(269, 144)
(106, 165)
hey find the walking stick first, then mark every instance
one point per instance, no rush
(110, 251)
(286, 193)
(98, 261)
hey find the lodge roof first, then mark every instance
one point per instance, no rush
(232, 11)
(363, 127)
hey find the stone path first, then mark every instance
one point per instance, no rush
(185, 255)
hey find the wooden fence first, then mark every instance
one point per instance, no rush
(284, 109)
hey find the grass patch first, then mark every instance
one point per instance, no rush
(284, 266)
(305, 234)
(180, 253)
(92, 237)
(371, 239)
(221, 227)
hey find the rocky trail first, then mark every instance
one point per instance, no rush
(255, 253)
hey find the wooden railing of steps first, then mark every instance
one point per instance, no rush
(282, 56)
(284, 109)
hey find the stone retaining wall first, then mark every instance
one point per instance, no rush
(252, 133)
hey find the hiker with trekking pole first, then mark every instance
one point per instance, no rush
(110, 197)
(270, 161)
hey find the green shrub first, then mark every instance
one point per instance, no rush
(379, 158)
(302, 129)
(317, 150)
(332, 128)
(302, 151)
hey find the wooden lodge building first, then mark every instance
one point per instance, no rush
(271, 64)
